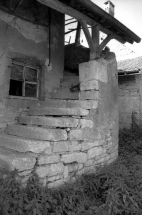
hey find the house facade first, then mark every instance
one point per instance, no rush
(45, 126)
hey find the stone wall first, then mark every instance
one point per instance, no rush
(20, 39)
(130, 99)
(63, 139)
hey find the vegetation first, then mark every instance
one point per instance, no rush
(115, 190)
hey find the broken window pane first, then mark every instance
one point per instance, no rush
(15, 88)
(30, 90)
(17, 72)
(31, 74)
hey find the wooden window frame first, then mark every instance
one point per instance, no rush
(24, 65)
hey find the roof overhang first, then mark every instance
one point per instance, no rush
(94, 15)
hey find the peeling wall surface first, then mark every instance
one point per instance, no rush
(130, 100)
(61, 139)
(20, 39)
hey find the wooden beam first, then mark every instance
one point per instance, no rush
(93, 51)
(96, 37)
(59, 6)
(104, 43)
(78, 32)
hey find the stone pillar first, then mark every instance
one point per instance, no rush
(98, 81)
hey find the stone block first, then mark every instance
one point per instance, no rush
(96, 151)
(89, 85)
(73, 167)
(56, 169)
(46, 159)
(93, 70)
(66, 172)
(54, 178)
(24, 145)
(76, 134)
(61, 146)
(49, 121)
(74, 157)
(74, 146)
(89, 95)
(86, 104)
(58, 112)
(86, 146)
(56, 184)
(84, 123)
(10, 160)
(37, 132)
(89, 162)
(43, 171)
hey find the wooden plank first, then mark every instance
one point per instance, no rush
(96, 37)
(104, 43)
(88, 37)
(78, 32)
(59, 6)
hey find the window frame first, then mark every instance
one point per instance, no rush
(26, 65)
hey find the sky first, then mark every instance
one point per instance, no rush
(128, 12)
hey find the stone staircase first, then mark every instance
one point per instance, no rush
(36, 133)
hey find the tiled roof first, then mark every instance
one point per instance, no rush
(130, 65)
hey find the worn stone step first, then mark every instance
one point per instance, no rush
(20, 144)
(60, 122)
(56, 103)
(58, 112)
(37, 133)
(64, 93)
(10, 160)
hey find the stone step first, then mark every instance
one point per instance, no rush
(10, 160)
(58, 112)
(20, 144)
(60, 122)
(37, 133)
(56, 103)
(64, 93)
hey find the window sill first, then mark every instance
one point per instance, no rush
(22, 98)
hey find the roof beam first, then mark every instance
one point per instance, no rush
(59, 6)
(104, 43)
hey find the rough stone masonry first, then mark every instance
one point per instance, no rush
(69, 137)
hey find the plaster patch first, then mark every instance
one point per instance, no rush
(28, 30)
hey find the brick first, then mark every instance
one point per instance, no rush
(90, 94)
(46, 159)
(89, 85)
(49, 121)
(37, 132)
(24, 145)
(43, 171)
(10, 160)
(96, 151)
(75, 157)
(58, 112)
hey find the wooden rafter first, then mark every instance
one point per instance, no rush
(59, 6)
(78, 32)
(104, 43)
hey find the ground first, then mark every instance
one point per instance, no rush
(115, 190)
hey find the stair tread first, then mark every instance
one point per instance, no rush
(49, 121)
(58, 111)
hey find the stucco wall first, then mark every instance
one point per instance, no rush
(130, 99)
(22, 39)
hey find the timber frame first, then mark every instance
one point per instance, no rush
(84, 20)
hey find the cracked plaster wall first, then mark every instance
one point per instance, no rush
(19, 38)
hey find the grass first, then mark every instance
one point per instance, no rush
(117, 189)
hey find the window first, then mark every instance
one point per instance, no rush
(24, 80)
